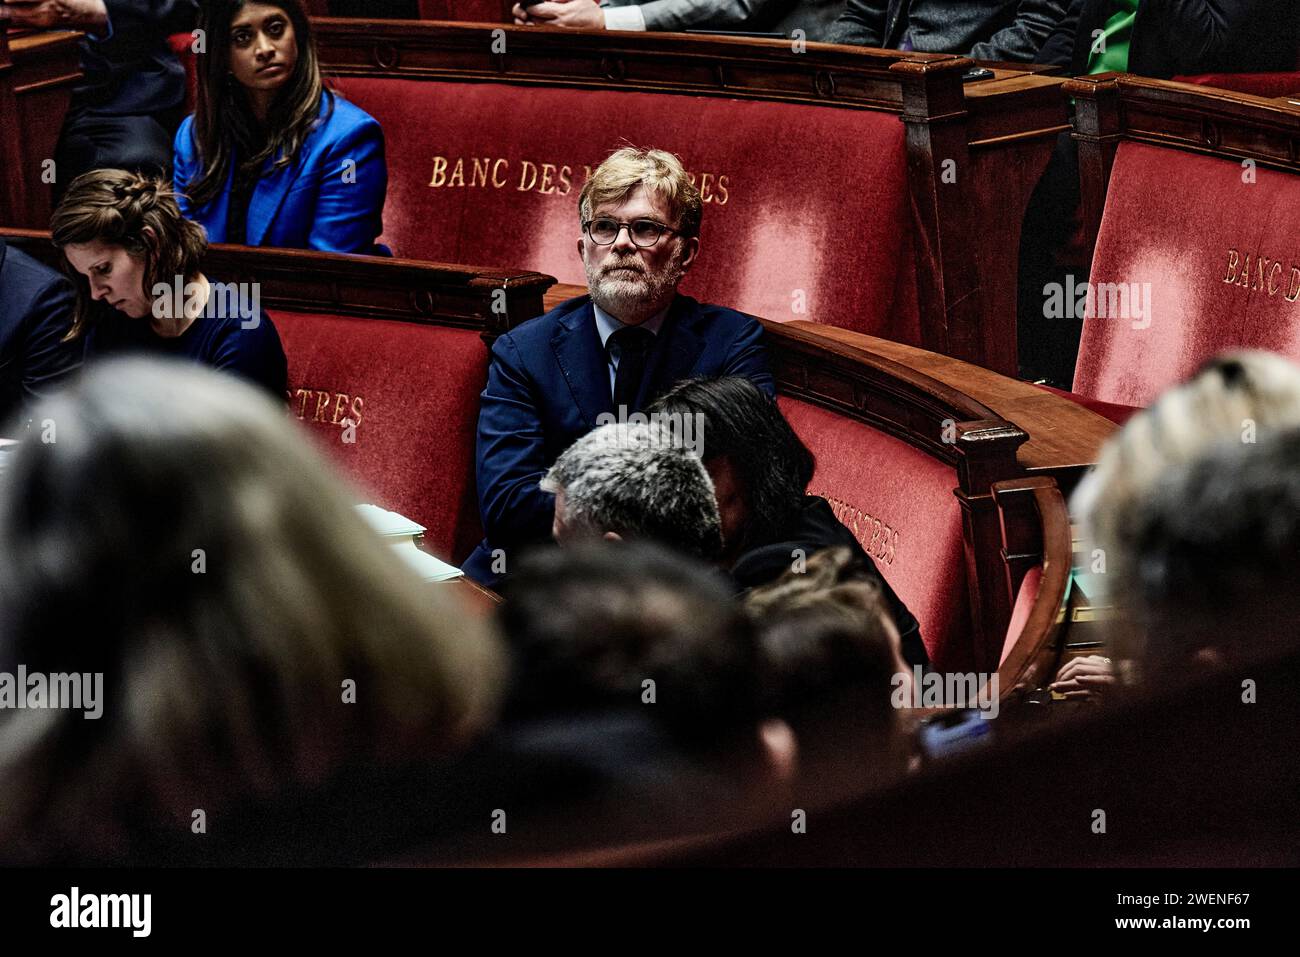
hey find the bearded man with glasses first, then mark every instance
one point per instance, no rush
(599, 358)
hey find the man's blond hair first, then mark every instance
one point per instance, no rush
(660, 172)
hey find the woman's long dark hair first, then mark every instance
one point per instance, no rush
(744, 424)
(223, 120)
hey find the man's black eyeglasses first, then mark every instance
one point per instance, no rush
(643, 232)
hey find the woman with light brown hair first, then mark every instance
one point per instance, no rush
(267, 661)
(135, 261)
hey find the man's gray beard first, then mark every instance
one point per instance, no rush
(636, 297)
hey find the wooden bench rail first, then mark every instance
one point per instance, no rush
(482, 298)
(1035, 531)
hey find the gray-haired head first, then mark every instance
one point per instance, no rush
(1217, 556)
(637, 481)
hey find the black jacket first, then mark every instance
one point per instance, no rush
(981, 29)
(1173, 37)
(36, 306)
(813, 528)
(132, 71)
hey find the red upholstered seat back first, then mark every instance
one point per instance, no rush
(806, 214)
(899, 502)
(1215, 247)
(1025, 598)
(413, 388)
(1257, 84)
(474, 11)
(182, 44)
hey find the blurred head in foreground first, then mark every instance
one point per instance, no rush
(1217, 558)
(591, 624)
(828, 656)
(173, 531)
(1235, 398)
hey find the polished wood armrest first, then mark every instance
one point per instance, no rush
(479, 598)
(1064, 437)
(1035, 532)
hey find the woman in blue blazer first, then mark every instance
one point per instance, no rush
(270, 157)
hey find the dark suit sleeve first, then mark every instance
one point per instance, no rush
(46, 359)
(748, 357)
(862, 23)
(511, 453)
(1021, 41)
(1206, 32)
(685, 14)
(1058, 48)
(164, 16)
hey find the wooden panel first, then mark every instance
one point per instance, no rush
(35, 89)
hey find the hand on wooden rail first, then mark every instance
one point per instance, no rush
(88, 15)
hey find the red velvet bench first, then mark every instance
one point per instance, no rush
(1257, 84)
(1189, 197)
(910, 446)
(908, 457)
(473, 11)
(867, 189)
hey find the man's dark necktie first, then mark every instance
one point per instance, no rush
(633, 348)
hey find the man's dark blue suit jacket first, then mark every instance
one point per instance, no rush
(549, 381)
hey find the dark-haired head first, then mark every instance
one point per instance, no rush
(830, 658)
(589, 624)
(758, 464)
(225, 119)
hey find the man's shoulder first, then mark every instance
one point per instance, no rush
(809, 529)
(538, 330)
(344, 117)
(713, 316)
(24, 280)
(21, 269)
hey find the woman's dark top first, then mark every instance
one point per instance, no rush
(812, 528)
(254, 353)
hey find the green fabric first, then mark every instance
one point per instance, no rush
(1115, 36)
